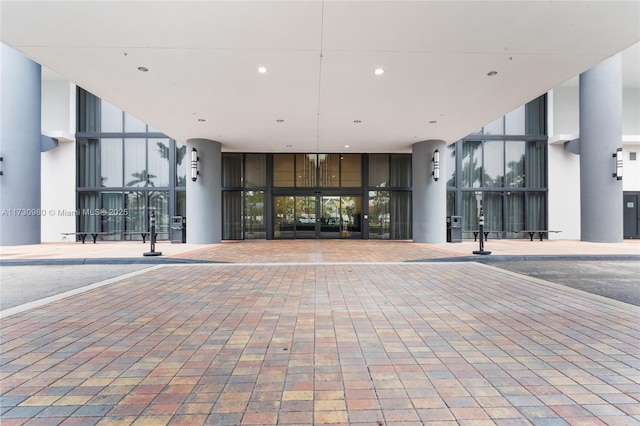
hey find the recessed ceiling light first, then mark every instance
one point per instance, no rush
(263, 70)
(346, 146)
(279, 120)
(378, 71)
(289, 146)
(433, 122)
(357, 121)
(202, 120)
(492, 73)
(143, 69)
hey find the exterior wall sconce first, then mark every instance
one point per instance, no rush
(436, 165)
(618, 156)
(194, 164)
(1, 171)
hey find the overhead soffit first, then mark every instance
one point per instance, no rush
(202, 58)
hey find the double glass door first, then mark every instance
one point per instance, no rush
(317, 216)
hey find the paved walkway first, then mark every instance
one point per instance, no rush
(324, 332)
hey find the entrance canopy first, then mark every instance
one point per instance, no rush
(319, 76)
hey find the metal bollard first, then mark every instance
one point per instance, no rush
(152, 239)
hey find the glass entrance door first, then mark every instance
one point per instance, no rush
(317, 216)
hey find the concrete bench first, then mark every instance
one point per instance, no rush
(540, 232)
(83, 235)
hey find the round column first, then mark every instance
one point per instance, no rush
(20, 146)
(204, 195)
(429, 196)
(601, 205)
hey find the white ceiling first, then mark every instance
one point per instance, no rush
(203, 57)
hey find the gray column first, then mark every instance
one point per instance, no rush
(20, 144)
(601, 206)
(429, 197)
(204, 196)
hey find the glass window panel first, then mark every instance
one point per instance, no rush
(536, 211)
(136, 220)
(351, 170)
(284, 217)
(254, 227)
(111, 162)
(159, 204)
(158, 161)
(231, 215)
(133, 125)
(110, 118)
(471, 164)
(306, 216)
(378, 170)
(493, 165)
(283, 170)
(181, 203)
(495, 127)
(329, 170)
(112, 203)
(351, 217)
(88, 201)
(88, 112)
(255, 174)
(400, 215)
(135, 168)
(400, 170)
(535, 165)
(451, 203)
(469, 211)
(306, 170)
(181, 164)
(514, 162)
(379, 215)
(88, 163)
(231, 170)
(493, 211)
(152, 129)
(450, 164)
(514, 220)
(514, 122)
(535, 116)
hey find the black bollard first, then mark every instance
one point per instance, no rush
(481, 231)
(152, 239)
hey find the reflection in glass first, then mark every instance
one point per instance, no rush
(329, 165)
(450, 159)
(379, 215)
(159, 203)
(133, 125)
(88, 164)
(181, 203)
(181, 164)
(469, 211)
(493, 211)
(305, 216)
(451, 203)
(495, 127)
(400, 215)
(514, 221)
(135, 167)
(114, 218)
(493, 165)
(514, 122)
(535, 166)
(284, 217)
(283, 170)
(111, 162)
(254, 215)
(136, 219)
(306, 170)
(514, 162)
(158, 161)
(471, 172)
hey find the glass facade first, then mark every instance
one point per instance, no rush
(503, 165)
(125, 171)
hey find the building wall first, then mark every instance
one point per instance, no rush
(58, 165)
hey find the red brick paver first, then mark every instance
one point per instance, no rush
(403, 343)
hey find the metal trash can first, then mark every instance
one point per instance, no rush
(454, 229)
(178, 229)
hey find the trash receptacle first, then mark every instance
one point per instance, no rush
(454, 229)
(178, 229)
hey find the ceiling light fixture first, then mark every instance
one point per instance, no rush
(378, 71)
(263, 70)
(279, 120)
(143, 69)
(346, 146)
(357, 121)
(433, 122)
(202, 120)
(492, 73)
